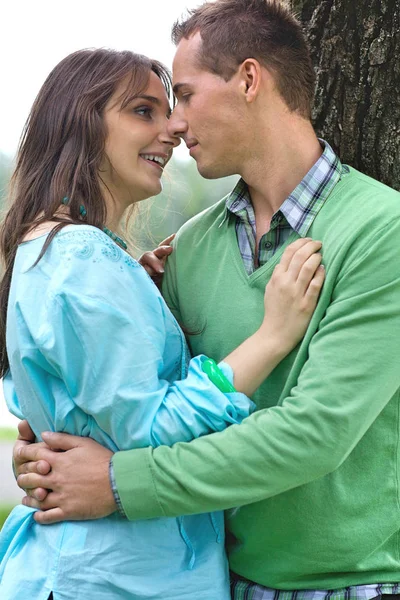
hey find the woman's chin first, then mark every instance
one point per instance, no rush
(154, 190)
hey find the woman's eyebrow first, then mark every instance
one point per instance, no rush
(149, 98)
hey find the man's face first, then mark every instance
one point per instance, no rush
(207, 114)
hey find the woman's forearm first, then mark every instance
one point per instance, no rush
(253, 361)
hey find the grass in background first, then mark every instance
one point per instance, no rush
(5, 510)
(8, 434)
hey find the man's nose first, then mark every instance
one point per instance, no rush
(177, 125)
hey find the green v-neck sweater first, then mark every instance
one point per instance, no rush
(315, 470)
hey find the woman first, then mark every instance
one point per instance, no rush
(89, 346)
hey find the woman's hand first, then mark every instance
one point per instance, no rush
(22, 464)
(290, 299)
(154, 261)
(292, 293)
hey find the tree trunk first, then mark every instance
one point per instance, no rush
(355, 46)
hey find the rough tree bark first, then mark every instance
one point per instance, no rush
(356, 53)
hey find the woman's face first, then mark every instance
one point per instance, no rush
(137, 146)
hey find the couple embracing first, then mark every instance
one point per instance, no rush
(285, 414)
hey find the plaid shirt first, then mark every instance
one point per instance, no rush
(296, 213)
(244, 590)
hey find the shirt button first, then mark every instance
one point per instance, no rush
(268, 245)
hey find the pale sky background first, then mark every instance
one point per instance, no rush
(35, 36)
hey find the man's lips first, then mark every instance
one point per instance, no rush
(191, 147)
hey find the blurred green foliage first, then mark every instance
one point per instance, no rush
(185, 193)
(5, 510)
(8, 434)
(5, 173)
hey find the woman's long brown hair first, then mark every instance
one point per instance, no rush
(62, 149)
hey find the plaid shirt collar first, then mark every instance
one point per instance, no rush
(306, 200)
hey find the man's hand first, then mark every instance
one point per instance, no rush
(154, 262)
(78, 480)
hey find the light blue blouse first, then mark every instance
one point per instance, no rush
(95, 351)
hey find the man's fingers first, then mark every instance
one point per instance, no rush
(31, 452)
(61, 441)
(31, 481)
(48, 517)
(25, 432)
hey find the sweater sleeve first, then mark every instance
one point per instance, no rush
(105, 339)
(352, 372)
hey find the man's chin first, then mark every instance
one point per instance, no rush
(211, 171)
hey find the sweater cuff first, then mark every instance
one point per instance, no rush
(134, 484)
(114, 490)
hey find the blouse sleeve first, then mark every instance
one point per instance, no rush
(106, 340)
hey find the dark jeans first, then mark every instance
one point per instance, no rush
(386, 597)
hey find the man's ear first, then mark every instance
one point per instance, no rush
(250, 73)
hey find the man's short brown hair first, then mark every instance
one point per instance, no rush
(234, 30)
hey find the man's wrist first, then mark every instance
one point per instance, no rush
(134, 477)
(115, 490)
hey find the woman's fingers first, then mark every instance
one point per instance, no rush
(31, 481)
(31, 454)
(290, 251)
(41, 467)
(25, 432)
(154, 261)
(163, 251)
(37, 493)
(52, 513)
(48, 517)
(307, 272)
(314, 288)
(151, 263)
(301, 256)
(51, 501)
(167, 240)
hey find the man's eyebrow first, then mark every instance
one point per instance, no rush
(177, 87)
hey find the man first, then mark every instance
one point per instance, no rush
(315, 469)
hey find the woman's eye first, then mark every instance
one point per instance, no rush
(186, 97)
(144, 111)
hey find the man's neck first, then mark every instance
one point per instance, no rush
(276, 171)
